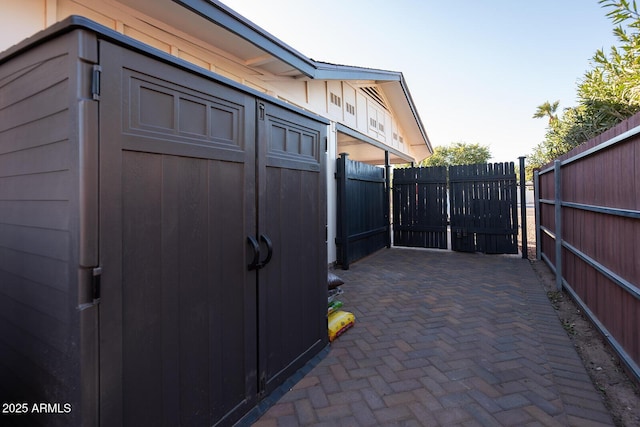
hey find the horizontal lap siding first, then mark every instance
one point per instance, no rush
(609, 178)
(38, 192)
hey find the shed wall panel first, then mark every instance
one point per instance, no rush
(39, 323)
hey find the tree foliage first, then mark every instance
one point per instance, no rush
(458, 153)
(547, 110)
(607, 94)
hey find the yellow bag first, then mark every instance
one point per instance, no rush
(339, 321)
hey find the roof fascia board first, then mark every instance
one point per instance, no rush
(220, 14)
(358, 135)
(326, 71)
(414, 111)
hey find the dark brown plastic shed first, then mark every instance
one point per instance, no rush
(162, 235)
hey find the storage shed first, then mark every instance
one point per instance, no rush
(162, 234)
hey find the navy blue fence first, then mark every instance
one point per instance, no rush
(363, 210)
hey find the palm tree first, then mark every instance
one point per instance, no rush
(547, 110)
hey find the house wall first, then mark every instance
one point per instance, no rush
(332, 193)
(350, 102)
(20, 20)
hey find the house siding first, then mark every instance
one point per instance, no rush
(350, 117)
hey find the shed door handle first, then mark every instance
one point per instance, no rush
(267, 241)
(255, 262)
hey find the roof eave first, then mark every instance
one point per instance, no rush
(326, 71)
(221, 15)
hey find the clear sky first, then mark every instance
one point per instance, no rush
(476, 70)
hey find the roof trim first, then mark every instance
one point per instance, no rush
(221, 15)
(327, 71)
(405, 89)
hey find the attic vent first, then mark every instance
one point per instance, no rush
(373, 92)
(350, 109)
(336, 100)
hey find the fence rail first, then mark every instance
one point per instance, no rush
(588, 229)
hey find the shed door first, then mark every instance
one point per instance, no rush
(292, 287)
(177, 192)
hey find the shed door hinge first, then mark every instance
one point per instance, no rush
(96, 72)
(96, 274)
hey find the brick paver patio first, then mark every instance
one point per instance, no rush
(444, 339)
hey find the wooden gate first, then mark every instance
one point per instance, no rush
(363, 210)
(481, 200)
(420, 207)
(484, 208)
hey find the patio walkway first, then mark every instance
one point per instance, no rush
(441, 339)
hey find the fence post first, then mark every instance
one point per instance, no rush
(536, 204)
(343, 214)
(558, 219)
(523, 209)
(387, 197)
